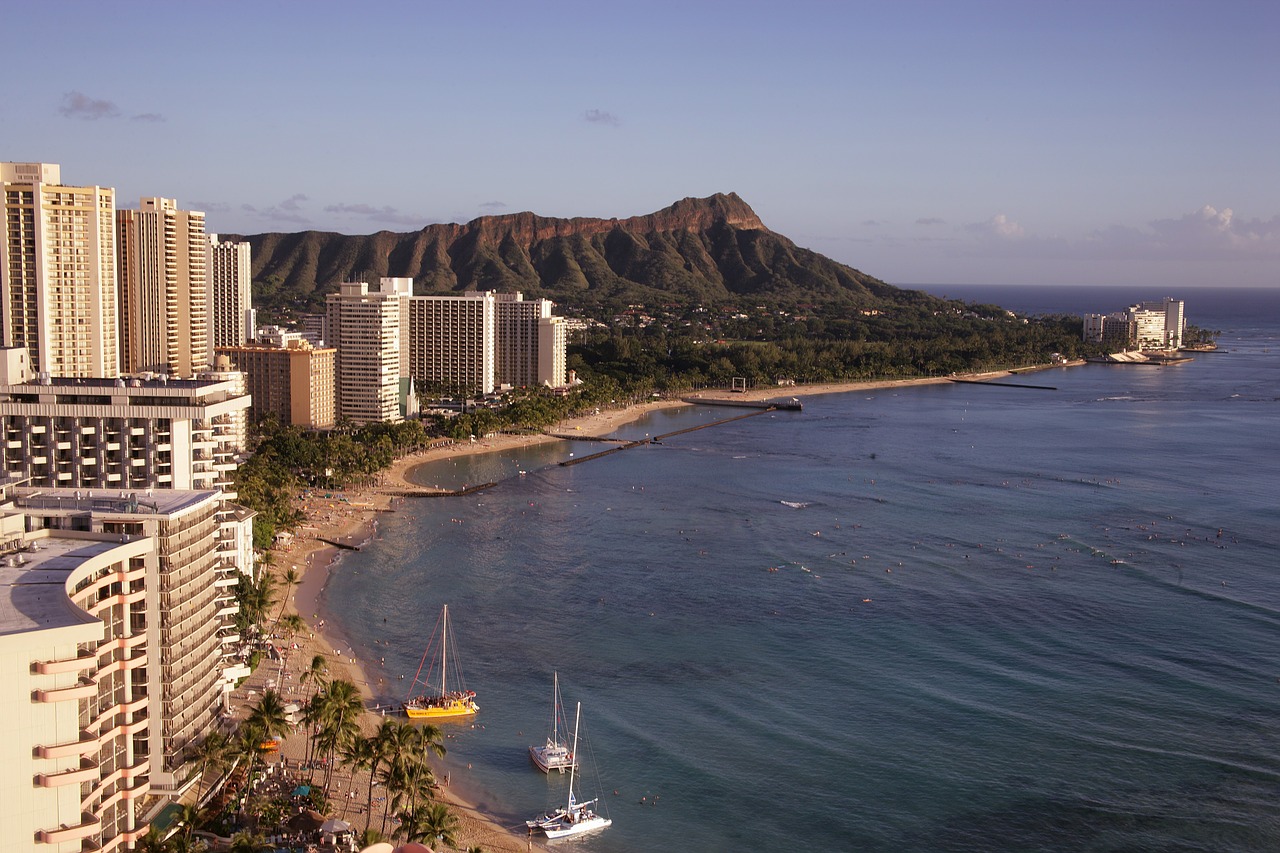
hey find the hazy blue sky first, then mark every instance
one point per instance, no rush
(1126, 142)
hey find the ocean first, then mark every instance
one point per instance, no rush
(941, 618)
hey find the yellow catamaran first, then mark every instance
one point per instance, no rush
(443, 704)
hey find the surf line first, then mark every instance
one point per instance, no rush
(657, 439)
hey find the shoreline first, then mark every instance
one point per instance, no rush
(350, 516)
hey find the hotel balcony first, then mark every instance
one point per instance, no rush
(85, 688)
(87, 743)
(89, 825)
(84, 660)
(87, 772)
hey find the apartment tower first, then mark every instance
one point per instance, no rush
(529, 342)
(164, 289)
(364, 327)
(452, 347)
(58, 272)
(291, 381)
(231, 316)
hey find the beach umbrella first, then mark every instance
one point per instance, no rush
(307, 821)
(302, 790)
(334, 824)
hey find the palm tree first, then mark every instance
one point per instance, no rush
(211, 751)
(384, 742)
(248, 842)
(338, 717)
(360, 753)
(432, 822)
(269, 715)
(408, 777)
(291, 624)
(188, 818)
(288, 580)
(315, 673)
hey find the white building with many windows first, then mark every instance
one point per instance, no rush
(364, 327)
(232, 321)
(452, 345)
(529, 342)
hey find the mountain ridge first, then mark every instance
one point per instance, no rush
(697, 250)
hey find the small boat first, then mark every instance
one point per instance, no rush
(575, 817)
(555, 755)
(440, 703)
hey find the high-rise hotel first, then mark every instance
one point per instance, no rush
(58, 272)
(164, 289)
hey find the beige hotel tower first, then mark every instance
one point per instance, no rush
(58, 272)
(164, 289)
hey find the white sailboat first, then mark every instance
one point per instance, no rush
(575, 818)
(555, 754)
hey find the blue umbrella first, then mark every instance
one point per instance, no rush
(301, 791)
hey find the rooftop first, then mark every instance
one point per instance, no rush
(33, 583)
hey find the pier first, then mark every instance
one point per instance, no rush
(1004, 384)
(429, 492)
(657, 439)
(791, 405)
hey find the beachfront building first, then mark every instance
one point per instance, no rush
(529, 342)
(1158, 325)
(1148, 326)
(232, 320)
(58, 272)
(75, 760)
(1112, 329)
(163, 255)
(118, 434)
(452, 343)
(364, 327)
(158, 616)
(292, 382)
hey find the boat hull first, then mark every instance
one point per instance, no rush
(563, 830)
(551, 757)
(452, 710)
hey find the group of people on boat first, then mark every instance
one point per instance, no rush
(451, 698)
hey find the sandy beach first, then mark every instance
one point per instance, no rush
(350, 517)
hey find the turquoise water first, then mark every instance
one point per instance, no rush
(985, 619)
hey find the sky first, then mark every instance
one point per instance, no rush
(1127, 142)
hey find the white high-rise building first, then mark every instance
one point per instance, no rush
(364, 327)
(152, 593)
(232, 320)
(1158, 325)
(58, 272)
(164, 289)
(529, 342)
(452, 347)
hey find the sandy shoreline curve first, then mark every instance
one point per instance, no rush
(350, 517)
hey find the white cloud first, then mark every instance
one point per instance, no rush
(999, 227)
(1207, 232)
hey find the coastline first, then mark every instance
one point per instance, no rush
(350, 517)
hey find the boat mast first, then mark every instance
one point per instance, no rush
(573, 764)
(444, 649)
(555, 709)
